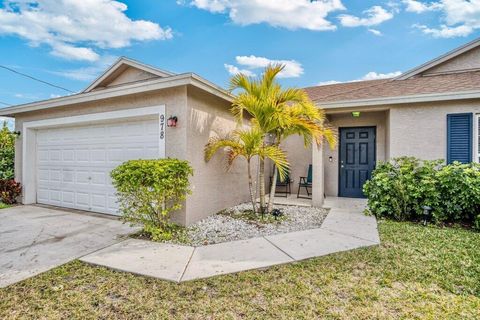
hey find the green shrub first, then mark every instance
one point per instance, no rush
(9, 191)
(459, 186)
(400, 188)
(7, 153)
(150, 190)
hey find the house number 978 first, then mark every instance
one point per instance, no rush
(162, 126)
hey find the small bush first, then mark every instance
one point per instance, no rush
(9, 191)
(399, 189)
(150, 190)
(459, 186)
(7, 153)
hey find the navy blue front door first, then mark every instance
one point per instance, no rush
(357, 160)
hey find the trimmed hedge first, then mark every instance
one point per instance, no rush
(150, 190)
(399, 189)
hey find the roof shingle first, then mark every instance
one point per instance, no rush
(385, 88)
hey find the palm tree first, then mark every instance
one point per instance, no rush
(247, 144)
(278, 113)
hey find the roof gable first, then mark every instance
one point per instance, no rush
(464, 58)
(126, 71)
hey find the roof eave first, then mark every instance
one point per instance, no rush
(152, 85)
(129, 62)
(448, 96)
(441, 59)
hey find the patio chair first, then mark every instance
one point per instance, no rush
(285, 184)
(306, 182)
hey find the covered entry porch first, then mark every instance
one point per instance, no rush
(341, 172)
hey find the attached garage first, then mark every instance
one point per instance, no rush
(71, 158)
(68, 146)
(74, 163)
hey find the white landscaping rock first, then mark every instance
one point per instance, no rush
(221, 227)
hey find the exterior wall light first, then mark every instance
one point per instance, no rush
(16, 133)
(426, 214)
(356, 114)
(172, 121)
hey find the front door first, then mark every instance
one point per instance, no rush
(357, 160)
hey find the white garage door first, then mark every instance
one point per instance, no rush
(74, 163)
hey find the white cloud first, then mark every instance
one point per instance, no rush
(72, 27)
(88, 73)
(73, 53)
(372, 75)
(373, 16)
(375, 32)
(376, 76)
(293, 69)
(420, 7)
(329, 82)
(290, 14)
(233, 70)
(460, 18)
(445, 31)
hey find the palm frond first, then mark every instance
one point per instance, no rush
(215, 143)
(278, 157)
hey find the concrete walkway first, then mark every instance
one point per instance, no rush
(34, 239)
(345, 228)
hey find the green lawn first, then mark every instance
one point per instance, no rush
(417, 272)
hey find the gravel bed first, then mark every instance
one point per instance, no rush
(228, 226)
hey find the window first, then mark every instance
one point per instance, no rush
(459, 137)
(477, 138)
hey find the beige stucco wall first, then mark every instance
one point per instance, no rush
(467, 60)
(214, 188)
(299, 158)
(366, 119)
(174, 99)
(420, 130)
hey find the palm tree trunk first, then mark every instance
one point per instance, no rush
(250, 187)
(262, 185)
(273, 187)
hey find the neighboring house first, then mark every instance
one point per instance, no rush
(69, 145)
(429, 112)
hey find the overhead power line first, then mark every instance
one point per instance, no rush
(7, 104)
(36, 79)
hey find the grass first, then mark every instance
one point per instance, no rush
(4, 206)
(416, 273)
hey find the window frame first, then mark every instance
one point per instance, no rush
(476, 138)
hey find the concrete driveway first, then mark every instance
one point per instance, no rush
(35, 239)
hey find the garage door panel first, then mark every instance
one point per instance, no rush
(99, 178)
(68, 155)
(43, 195)
(98, 155)
(68, 198)
(82, 155)
(74, 164)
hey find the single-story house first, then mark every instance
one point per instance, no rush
(429, 112)
(68, 145)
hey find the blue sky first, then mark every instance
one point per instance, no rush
(69, 42)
